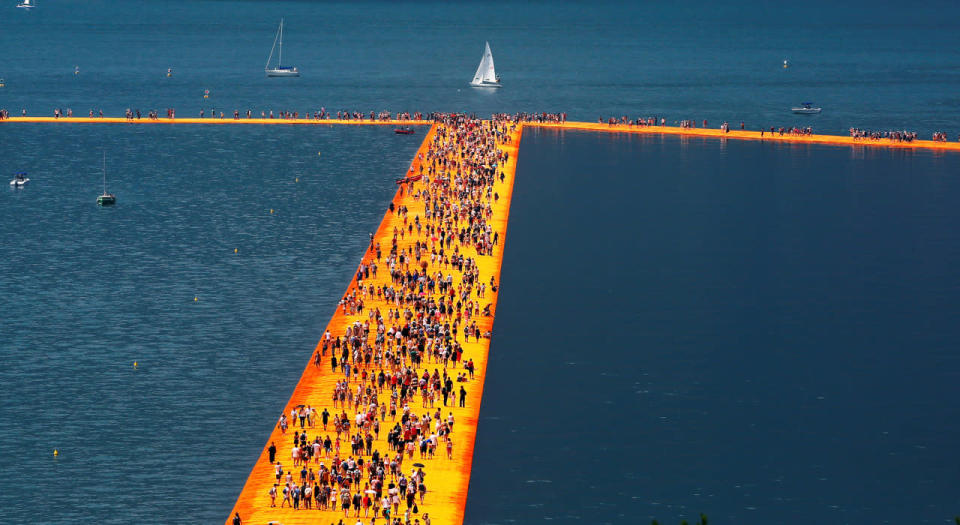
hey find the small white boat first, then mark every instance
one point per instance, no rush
(486, 75)
(26, 4)
(106, 199)
(280, 70)
(806, 109)
(19, 180)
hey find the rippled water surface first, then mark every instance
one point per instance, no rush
(893, 66)
(87, 291)
(788, 310)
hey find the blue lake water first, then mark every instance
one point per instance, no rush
(868, 65)
(762, 332)
(788, 310)
(88, 291)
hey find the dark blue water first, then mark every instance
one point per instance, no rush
(765, 333)
(791, 307)
(87, 291)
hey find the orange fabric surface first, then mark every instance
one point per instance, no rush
(447, 480)
(225, 120)
(748, 135)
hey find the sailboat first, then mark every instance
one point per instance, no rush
(25, 4)
(486, 75)
(106, 199)
(280, 70)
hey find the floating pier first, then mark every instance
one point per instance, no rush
(738, 134)
(215, 120)
(446, 479)
(832, 140)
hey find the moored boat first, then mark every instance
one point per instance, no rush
(19, 180)
(413, 178)
(106, 199)
(280, 70)
(806, 109)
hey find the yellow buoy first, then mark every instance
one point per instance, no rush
(318, 153)
(271, 210)
(56, 452)
(234, 250)
(296, 179)
(134, 364)
(195, 299)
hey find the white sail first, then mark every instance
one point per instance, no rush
(486, 75)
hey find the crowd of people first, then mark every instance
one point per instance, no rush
(321, 114)
(557, 118)
(543, 117)
(419, 298)
(894, 136)
(788, 131)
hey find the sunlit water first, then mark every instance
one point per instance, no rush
(788, 357)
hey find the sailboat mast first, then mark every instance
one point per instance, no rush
(104, 172)
(280, 57)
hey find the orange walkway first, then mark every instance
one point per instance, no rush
(225, 120)
(446, 480)
(749, 135)
(835, 140)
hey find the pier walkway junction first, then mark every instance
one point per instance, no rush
(397, 377)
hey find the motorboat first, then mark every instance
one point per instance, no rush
(405, 130)
(806, 109)
(19, 180)
(26, 4)
(280, 70)
(486, 75)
